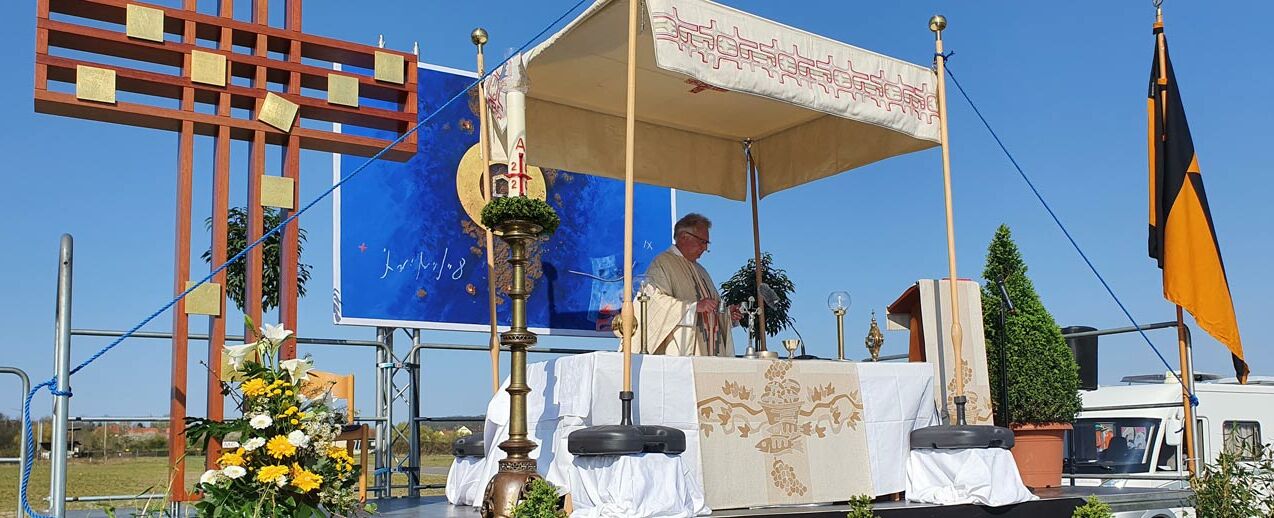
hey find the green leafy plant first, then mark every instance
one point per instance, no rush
(860, 507)
(237, 240)
(1093, 508)
(1043, 380)
(541, 501)
(524, 208)
(742, 285)
(1238, 485)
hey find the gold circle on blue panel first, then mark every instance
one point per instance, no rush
(469, 183)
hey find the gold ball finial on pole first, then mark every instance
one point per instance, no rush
(937, 23)
(478, 36)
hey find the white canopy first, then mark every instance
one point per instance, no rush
(711, 77)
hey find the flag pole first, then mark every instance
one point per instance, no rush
(630, 126)
(479, 38)
(1187, 378)
(937, 24)
(1183, 346)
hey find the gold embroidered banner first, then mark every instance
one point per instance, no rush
(780, 432)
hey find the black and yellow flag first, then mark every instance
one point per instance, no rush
(1182, 238)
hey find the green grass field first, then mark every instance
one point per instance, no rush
(133, 476)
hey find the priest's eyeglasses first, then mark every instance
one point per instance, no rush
(702, 241)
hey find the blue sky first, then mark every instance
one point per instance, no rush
(1063, 83)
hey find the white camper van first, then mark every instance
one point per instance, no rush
(1135, 430)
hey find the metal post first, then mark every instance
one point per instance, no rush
(385, 336)
(22, 434)
(62, 358)
(413, 424)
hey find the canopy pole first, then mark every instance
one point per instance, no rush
(630, 126)
(753, 180)
(479, 38)
(937, 24)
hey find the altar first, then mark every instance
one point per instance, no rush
(758, 432)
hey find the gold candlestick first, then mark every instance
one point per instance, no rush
(518, 468)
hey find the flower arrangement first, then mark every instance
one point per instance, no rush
(278, 458)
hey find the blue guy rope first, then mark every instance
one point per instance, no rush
(51, 383)
(1194, 401)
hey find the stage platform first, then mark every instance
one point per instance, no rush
(1055, 502)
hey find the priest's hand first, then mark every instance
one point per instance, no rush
(736, 314)
(706, 306)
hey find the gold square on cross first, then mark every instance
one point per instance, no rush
(208, 68)
(389, 67)
(342, 90)
(278, 112)
(277, 191)
(94, 84)
(144, 23)
(204, 300)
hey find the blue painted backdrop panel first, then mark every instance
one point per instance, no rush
(409, 255)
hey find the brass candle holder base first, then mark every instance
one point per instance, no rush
(506, 490)
(518, 469)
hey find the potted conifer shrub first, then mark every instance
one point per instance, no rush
(1043, 379)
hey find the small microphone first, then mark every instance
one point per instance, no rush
(1004, 295)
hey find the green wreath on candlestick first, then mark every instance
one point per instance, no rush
(524, 208)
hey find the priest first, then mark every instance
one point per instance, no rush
(684, 314)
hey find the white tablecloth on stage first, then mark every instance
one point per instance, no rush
(575, 392)
(983, 476)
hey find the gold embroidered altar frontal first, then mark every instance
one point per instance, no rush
(780, 432)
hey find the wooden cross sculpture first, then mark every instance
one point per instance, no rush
(205, 54)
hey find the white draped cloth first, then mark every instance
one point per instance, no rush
(983, 476)
(464, 481)
(574, 392)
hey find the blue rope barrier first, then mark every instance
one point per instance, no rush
(1194, 401)
(51, 383)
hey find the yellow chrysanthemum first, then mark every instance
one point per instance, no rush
(231, 459)
(339, 454)
(279, 447)
(271, 473)
(254, 387)
(305, 480)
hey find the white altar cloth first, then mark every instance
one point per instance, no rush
(575, 392)
(983, 476)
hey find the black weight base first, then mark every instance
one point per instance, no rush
(612, 439)
(662, 439)
(960, 437)
(626, 440)
(469, 446)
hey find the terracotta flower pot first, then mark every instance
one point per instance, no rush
(1038, 453)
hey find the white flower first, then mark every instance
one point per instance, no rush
(210, 477)
(253, 443)
(234, 472)
(239, 353)
(281, 481)
(230, 445)
(275, 333)
(260, 421)
(298, 369)
(299, 439)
